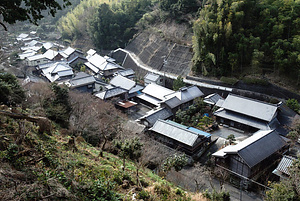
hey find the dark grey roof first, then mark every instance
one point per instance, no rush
(175, 132)
(250, 107)
(82, 79)
(162, 113)
(258, 147)
(183, 95)
(285, 163)
(173, 102)
(110, 93)
(77, 57)
(243, 119)
(212, 98)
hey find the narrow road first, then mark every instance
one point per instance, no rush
(140, 64)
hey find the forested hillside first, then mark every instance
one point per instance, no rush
(109, 24)
(232, 37)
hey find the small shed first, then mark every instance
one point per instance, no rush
(282, 170)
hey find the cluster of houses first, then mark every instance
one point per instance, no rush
(109, 81)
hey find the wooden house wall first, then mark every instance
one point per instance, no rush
(238, 165)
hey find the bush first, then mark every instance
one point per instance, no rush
(255, 81)
(229, 80)
(180, 192)
(214, 195)
(293, 104)
(101, 189)
(143, 195)
(162, 189)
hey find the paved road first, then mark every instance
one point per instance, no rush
(169, 75)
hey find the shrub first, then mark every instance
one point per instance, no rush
(255, 81)
(180, 192)
(214, 195)
(118, 178)
(143, 195)
(162, 189)
(293, 104)
(101, 189)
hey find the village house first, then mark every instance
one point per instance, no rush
(70, 53)
(82, 82)
(128, 73)
(77, 60)
(123, 82)
(153, 78)
(153, 94)
(27, 53)
(247, 114)
(56, 71)
(113, 92)
(155, 114)
(187, 139)
(213, 99)
(102, 66)
(52, 55)
(253, 156)
(181, 99)
(282, 170)
(36, 60)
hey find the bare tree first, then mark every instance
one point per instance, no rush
(97, 121)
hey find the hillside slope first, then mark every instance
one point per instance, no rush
(45, 166)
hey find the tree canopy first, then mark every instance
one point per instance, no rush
(22, 10)
(11, 92)
(231, 36)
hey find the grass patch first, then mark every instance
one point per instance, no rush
(255, 81)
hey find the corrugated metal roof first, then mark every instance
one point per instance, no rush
(175, 132)
(258, 147)
(243, 119)
(285, 163)
(250, 107)
(123, 82)
(195, 130)
(157, 91)
(200, 132)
